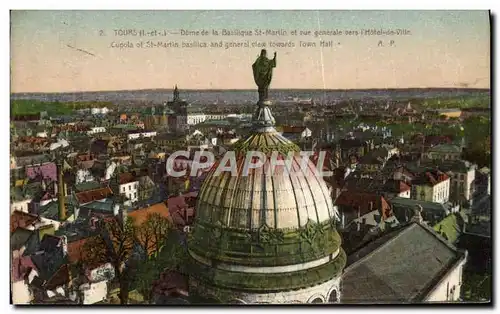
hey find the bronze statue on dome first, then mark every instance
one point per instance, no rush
(263, 73)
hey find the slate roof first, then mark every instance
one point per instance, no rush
(105, 205)
(48, 263)
(357, 184)
(459, 166)
(51, 210)
(396, 186)
(19, 238)
(446, 148)
(85, 186)
(403, 209)
(399, 267)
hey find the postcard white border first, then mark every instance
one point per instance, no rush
(198, 5)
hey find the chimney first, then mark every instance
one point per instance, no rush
(123, 214)
(64, 244)
(417, 215)
(60, 193)
(116, 209)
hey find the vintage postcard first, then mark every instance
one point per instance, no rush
(250, 157)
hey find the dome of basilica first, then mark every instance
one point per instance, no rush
(261, 238)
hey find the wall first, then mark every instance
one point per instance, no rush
(438, 193)
(441, 293)
(138, 135)
(94, 292)
(441, 192)
(104, 273)
(20, 206)
(83, 175)
(95, 130)
(21, 293)
(404, 194)
(130, 190)
(427, 193)
(195, 119)
(322, 291)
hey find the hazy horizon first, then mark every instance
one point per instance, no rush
(63, 52)
(254, 90)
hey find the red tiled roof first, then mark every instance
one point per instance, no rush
(431, 178)
(94, 195)
(176, 202)
(20, 219)
(33, 140)
(140, 215)
(365, 202)
(85, 157)
(75, 250)
(126, 178)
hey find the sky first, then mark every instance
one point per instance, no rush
(64, 51)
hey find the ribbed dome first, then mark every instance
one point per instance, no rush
(265, 221)
(280, 201)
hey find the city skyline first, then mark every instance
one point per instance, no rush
(64, 51)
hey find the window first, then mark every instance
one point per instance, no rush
(135, 194)
(129, 187)
(123, 189)
(333, 297)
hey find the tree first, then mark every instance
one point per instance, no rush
(146, 189)
(114, 244)
(479, 152)
(171, 256)
(151, 234)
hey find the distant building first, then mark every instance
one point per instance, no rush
(444, 152)
(447, 112)
(462, 177)
(431, 186)
(180, 110)
(432, 212)
(129, 186)
(132, 135)
(296, 133)
(96, 130)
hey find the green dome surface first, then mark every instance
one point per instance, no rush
(263, 220)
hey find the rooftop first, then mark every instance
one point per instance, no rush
(399, 267)
(93, 195)
(430, 177)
